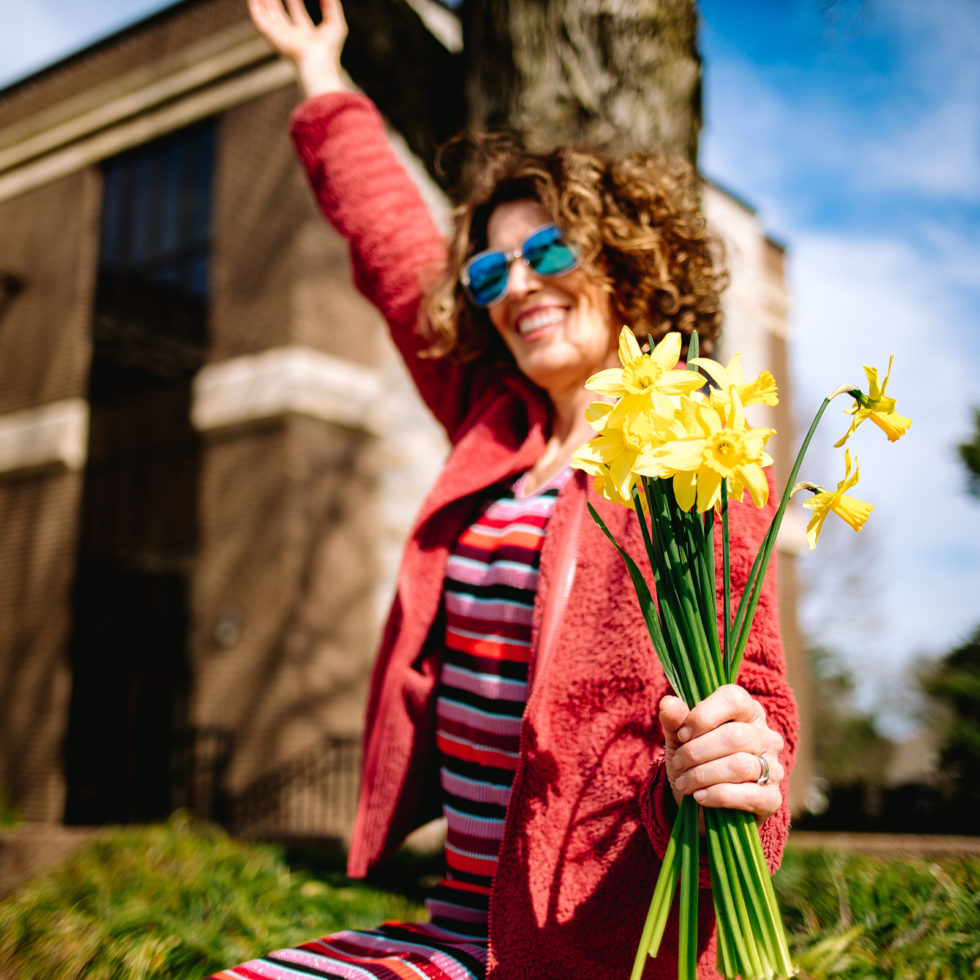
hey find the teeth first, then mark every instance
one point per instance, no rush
(539, 319)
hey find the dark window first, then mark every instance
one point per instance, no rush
(138, 540)
(152, 300)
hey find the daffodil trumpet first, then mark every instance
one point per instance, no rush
(675, 453)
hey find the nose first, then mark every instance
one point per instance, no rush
(521, 278)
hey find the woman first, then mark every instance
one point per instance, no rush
(515, 691)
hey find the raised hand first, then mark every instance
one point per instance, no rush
(723, 752)
(314, 49)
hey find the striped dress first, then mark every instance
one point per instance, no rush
(491, 582)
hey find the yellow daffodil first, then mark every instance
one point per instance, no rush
(878, 407)
(612, 456)
(708, 451)
(854, 512)
(761, 391)
(652, 375)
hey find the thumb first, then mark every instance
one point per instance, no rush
(673, 711)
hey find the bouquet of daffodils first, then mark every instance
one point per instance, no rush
(675, 446)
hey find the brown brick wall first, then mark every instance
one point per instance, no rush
(259, 204)
(281, 275)
(286, 525)
(286, 506)
(49, 238)
(37, 562)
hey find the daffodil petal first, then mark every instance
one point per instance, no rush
(629, 347)
(816, 522)
(851, 510)
(667, 353)
(754, 478)
(607, 382)
(892, 424)
(718, 373)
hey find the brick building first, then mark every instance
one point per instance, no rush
(208, 451)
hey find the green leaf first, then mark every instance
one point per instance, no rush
(647, 606)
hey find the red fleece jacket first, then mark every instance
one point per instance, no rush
(590, 811)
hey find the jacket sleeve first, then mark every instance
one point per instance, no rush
(762, 674)
(395, 246)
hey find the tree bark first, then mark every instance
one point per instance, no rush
(618, 74)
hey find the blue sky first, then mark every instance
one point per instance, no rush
(854, 129)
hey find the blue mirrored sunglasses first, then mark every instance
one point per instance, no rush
(485, 276)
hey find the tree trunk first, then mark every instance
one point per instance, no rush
(621, 74)
(617, 73)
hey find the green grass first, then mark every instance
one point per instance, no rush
(182, 900)
(855, 918)
(178, 901)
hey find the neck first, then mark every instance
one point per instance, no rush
(569, 431)
(569, 415)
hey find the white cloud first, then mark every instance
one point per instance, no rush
(914, 130)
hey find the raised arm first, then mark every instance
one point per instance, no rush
(363, 190)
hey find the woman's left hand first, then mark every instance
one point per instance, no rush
(713, 752)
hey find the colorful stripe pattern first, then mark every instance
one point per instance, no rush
(491, 581)
(395, 951)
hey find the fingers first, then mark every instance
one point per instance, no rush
(333, 13)
(298, 13)
(673, 712)
(712, 752)
(727, 704)
(314, 50)
(730, 780)
(270, 17)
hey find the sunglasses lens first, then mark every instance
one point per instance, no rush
(487, 277)
(547, 253)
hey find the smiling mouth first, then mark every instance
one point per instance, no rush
(528, 323)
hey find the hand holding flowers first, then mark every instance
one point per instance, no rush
(712, 752)
(676, 454)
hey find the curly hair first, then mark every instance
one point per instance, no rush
(636, 221)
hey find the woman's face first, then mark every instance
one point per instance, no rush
(559, 329)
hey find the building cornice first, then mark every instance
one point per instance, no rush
(201, 80)
(297, 380)
(234, 395)
(52, 436)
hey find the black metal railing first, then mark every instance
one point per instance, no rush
(312, 795)
(200, 761)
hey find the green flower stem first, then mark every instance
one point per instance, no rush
(742, 923)
(726, 575)
(689, 529)
(726, 960)
(672, 607)
(687, 951)
(710, 586)
(779, 947)
(726, 904)
(753, 588)
(647, 606)
(674, 535)
(663, 895)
